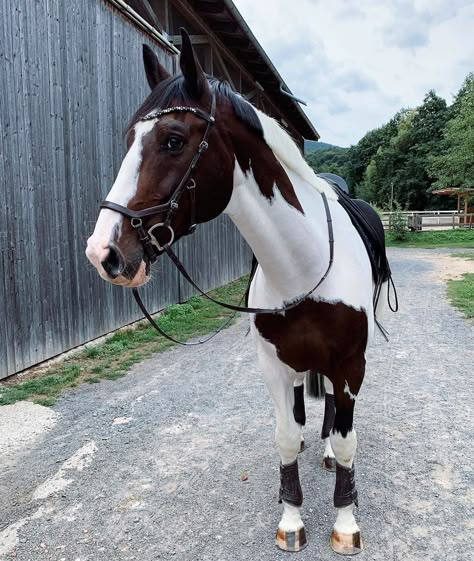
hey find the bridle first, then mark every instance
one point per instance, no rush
(148, 238)
(153, 248)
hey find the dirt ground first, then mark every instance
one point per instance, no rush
(446, 266)
(150, 466)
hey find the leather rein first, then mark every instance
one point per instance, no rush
(153, 248)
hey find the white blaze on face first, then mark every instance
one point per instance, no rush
(123, 190)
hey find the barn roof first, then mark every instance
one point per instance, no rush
(228, 25)
(222, 20)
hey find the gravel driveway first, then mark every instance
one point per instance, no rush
(149, 467)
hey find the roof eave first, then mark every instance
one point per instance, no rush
(313, 133)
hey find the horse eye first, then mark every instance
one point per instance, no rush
(173, 144)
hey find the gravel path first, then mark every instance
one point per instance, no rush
(149, 467)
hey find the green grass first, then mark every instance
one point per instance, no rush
(461, 294)
(113, 358)
(433, 239)
(468, 256)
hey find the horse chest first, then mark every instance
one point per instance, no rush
(315, 335)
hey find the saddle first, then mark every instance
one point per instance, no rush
(369, 227)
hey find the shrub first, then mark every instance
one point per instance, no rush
(398, 224)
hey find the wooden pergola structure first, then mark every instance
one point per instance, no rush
(463, 194)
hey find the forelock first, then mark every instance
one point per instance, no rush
(172, 92)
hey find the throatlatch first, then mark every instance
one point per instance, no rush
(290, 488)
(345, 492)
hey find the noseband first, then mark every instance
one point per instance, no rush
(150, 244)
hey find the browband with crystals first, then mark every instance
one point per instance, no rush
(182, 108)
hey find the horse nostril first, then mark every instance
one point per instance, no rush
(113, 264)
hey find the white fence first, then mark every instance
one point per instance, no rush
(432, 219)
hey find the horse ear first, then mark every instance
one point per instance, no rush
(154, 70)
(194, 78)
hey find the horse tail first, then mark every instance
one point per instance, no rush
(315, 384)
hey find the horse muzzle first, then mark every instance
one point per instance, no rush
(112, 265)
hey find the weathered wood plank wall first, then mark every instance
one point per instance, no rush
(70, 78)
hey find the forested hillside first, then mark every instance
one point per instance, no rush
(418, 150)
(314, 146)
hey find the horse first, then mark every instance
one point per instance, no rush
(196, 149)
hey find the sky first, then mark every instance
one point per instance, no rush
(357, 63)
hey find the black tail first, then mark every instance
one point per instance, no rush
(315, 384)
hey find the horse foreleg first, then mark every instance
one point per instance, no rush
(279, 379)
(329, 460)
(345, 538)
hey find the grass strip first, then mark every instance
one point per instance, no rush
(461, 294)
(468, 256)
(434, 239)
(114, 357)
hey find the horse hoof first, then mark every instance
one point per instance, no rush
(291, 541)
(301, 447)
(329, 464)
(346, 544)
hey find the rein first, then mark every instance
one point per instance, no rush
(175, 260)
(153, 248)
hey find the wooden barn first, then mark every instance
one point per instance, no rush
(71, 77)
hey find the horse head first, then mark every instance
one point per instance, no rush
(168, 181)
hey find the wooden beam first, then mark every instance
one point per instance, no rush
(210, 7)
(223, 66)
(252, 93)
(167, 16)
(195, 40)
(185, 9)
(153, 16)
(125, 9)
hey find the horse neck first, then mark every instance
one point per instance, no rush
(281, 217)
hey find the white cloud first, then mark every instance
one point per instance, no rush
(357, 65)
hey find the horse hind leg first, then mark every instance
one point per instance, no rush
(299, 411)
(329, 459)
(346, 538)
(291, 535)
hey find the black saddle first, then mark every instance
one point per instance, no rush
(334, 179)
(369, 227)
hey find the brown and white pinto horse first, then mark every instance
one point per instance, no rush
(250, 169)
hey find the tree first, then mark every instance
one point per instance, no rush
(398, 161)
(453, 165)
(426, 139)
(398, 169)
(332, 160)
(360, 155)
